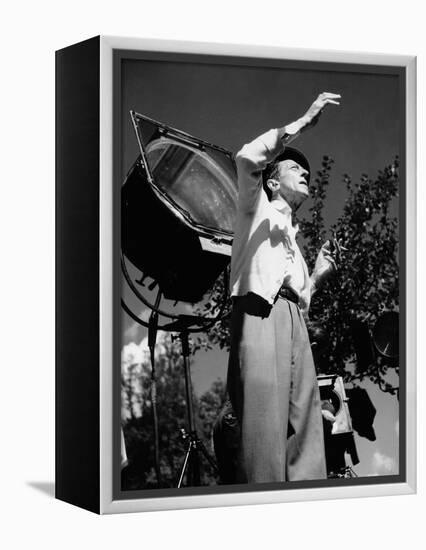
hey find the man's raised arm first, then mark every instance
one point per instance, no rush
(254, 157)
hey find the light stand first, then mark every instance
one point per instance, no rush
(152, 338)
(179, 197)
(183, 325)
(191, 459)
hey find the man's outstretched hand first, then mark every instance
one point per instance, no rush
(314, 112)
(310, 118)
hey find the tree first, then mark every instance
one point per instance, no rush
(367, 282)
(171, 407)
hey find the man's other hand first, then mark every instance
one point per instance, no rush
(327, 261)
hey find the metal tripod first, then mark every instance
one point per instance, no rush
(191, 461)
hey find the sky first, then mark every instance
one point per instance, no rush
(230, 105)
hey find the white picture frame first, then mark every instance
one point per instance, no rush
(108, 433)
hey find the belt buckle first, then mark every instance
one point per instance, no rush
(288, 294)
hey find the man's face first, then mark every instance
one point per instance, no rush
(293, 182)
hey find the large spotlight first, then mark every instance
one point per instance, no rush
(179, 204)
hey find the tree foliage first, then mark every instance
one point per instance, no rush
(137, 420)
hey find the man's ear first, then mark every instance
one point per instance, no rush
(273, 185)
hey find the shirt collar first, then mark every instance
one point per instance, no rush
(285, 209)
(282, 206)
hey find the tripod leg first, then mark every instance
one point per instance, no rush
(185, 464)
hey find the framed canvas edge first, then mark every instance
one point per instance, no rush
(107, 503)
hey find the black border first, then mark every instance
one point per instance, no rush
(394, 70)
(77, 454)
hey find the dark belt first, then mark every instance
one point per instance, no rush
(288, 294)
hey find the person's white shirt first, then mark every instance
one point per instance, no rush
(265, 254)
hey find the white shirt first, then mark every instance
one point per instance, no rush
(265, 254)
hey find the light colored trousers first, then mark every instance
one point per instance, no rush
(274, 391)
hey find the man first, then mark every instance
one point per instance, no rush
(271, 376)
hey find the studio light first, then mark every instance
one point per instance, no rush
(179, 204)
(178, 208)
(381, 341)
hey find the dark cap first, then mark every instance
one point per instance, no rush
(289, 153)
